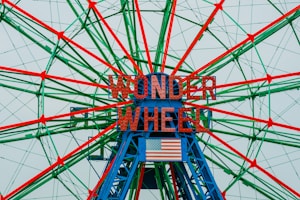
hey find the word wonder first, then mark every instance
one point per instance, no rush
(161, 88)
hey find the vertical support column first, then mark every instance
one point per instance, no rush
(116, 184)
(200, 170)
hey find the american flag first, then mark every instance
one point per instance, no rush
(163, 149)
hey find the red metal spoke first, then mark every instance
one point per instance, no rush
(198, 36)
(60, 35)
(105, 173)
(44, 119)
(143, 34)
(174, 181)
(268, 122)
(92, 5)
(60, 161)
(250, 38)
(268, 78)
(169, 36)
(93, 55)
(140, 183)
(44, 76)
(253, 163)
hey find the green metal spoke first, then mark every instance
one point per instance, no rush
(61, 169)
(162, 35)
(266, 189)
(279, 137)
(130, 25)
(234, 94)
(68, 58)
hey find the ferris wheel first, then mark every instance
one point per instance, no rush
(89, 88)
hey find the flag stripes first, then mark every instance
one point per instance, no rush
(163, 149)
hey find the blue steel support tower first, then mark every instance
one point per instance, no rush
(192, 176)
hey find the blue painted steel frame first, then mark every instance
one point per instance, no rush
(193, 177)
(119, 178)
